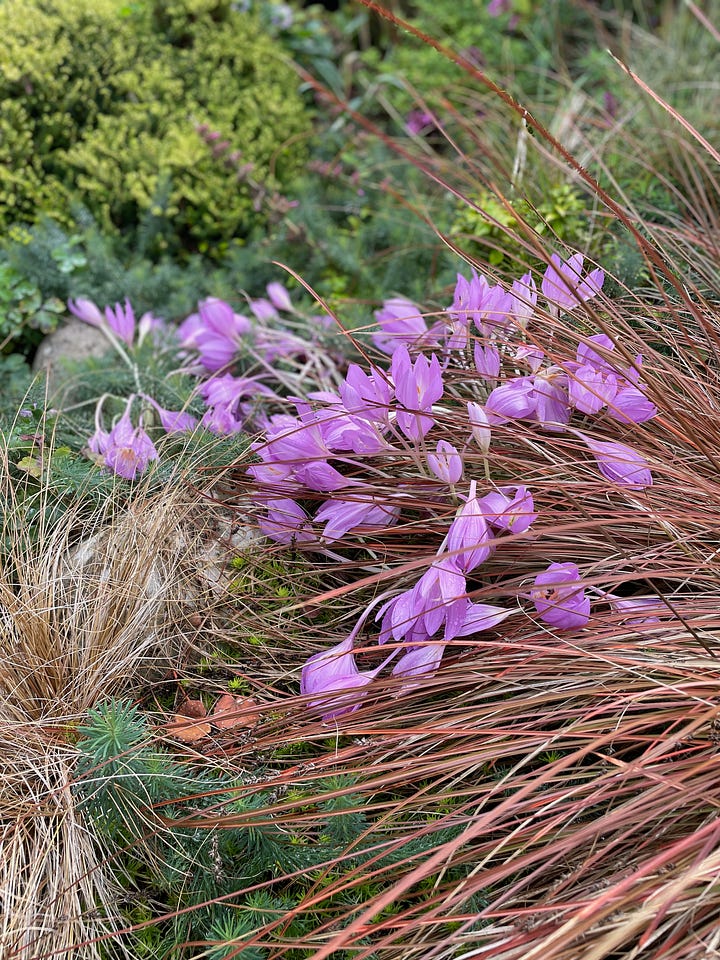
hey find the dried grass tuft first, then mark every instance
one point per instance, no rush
(90, 609)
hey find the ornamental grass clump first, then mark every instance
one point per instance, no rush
(89, 609)
(546, 581)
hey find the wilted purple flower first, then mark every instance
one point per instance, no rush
(619, 463)
(286, 522)
(342, 516)
(446, 463)
(563, 285)
(417, 387)
(279, 297)
(509, 508)
(497, 8)
(126, 450)
(469, 539)
(559, 597)
(400, 322)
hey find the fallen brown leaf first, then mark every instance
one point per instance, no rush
(226, 713)
(189, 723)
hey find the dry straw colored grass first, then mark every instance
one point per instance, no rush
(91, 609)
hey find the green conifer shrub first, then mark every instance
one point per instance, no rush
(101, 103)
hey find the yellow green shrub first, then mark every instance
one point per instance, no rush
(100, 102)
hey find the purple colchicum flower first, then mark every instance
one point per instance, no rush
(479, 425)
(333, 677)
(439, 598)
(263, 310)
(417, 387)
(173, 421)
(524, 300)
(488, 306)
(630, 405)
(286, 522)
(400, 322)
(224, 395)
(563, 285)
(87, 311)
(635, 609)
(619, 463)
(279, 297)
(126, 450)
(120, 320)
(216, 332)
(366, 395)
(542, 398)
(469, 539)
(595, 383)
(530, 354)
(487, 361)
(509, 511)
(424, 657)
(446, 463)
(559, 597)
(419, 121)
(343, 516)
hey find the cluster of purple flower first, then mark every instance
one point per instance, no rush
(210, 341)
(385, 413)
(323, 447)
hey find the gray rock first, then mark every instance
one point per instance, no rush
(74, 340)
